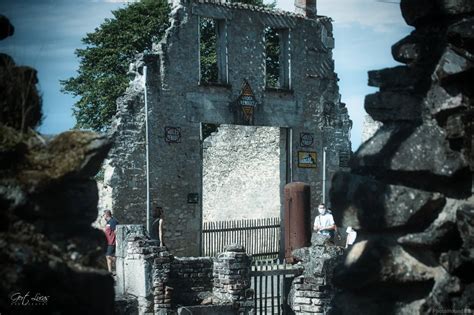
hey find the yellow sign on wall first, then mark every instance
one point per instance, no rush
(307, 159)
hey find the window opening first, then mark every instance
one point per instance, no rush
(277, 58)
(212, 51)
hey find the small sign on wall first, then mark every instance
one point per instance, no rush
(172, 134)
(307, 159)
(193, 198)
(306, 139)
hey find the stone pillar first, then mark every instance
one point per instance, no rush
(138, 273)
(232, 274)
(123, 234)
(309, 295)
(162, 293)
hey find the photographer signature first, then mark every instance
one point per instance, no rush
(28, 299)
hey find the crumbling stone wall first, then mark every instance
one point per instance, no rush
(312, 292)
(162, 283)
(409, 191)
(242, 176)
(178, 105)
(49, 253)
(191, 278)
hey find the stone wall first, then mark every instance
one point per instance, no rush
(312, 292)
(178, 104)
(241, 173)
(409, 190)
(191, 279)
(162, 283)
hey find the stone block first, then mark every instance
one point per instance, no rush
(440, 234)
(455, 126)
(311, 294)
(393, 106)
(442, 103)
(417, 156)
(378, 260)
(302, 300)
(320, 301)
(414, 11)
(418, 12)
(401, 77)
(368, 204)
(465, 223)
(461, 34)
(451, 65)
(311, 308)
(408, 50)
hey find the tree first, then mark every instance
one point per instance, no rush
(102, 73)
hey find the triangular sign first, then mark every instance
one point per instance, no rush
(248, 112)
(247, 90)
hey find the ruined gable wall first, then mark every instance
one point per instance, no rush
(176, 100)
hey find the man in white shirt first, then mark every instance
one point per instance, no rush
(324, 222)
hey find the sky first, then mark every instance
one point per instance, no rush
(47, 32)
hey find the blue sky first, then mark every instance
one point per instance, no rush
(48, 31)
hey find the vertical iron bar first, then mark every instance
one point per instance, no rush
(260, 286)
(273, 292)
(266, 286)
(278, 288)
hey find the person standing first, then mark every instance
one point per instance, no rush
(324, 222)
(156, 232)
(109, 230)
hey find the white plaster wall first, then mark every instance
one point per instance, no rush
(241, 173)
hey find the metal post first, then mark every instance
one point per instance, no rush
(147, 156)
(324, 174)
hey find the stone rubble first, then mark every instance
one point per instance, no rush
(48, 200)
(409, 190)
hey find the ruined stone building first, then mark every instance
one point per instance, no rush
(270, 68)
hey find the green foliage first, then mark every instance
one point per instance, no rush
(208, 47)
(102, 73)
(272, 59)
(208, 51)
(208, 129)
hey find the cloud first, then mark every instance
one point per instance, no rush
(377, 15)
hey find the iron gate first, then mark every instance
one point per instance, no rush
(271, 282)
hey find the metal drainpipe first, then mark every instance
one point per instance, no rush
(147, 156)
(324, 175)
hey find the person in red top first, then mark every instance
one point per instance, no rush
(111, 224)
